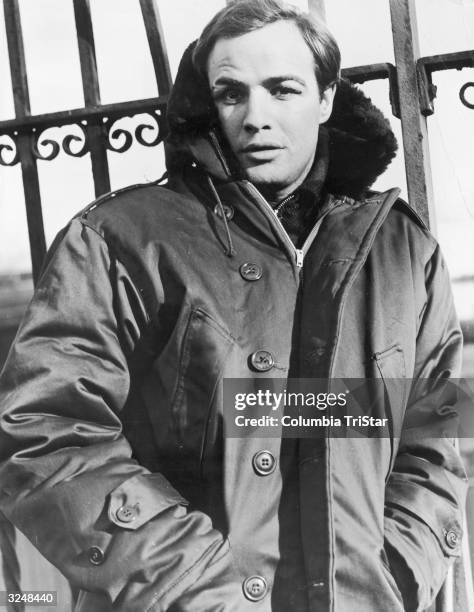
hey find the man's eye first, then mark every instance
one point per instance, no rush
(284, 91)
(229, 96)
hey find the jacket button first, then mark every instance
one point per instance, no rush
(319, 584)
(262, 361)
(126, 514)
(228, 211)
(250, 271)
(264, 462)
(96, 555)
(452, 539)
(255, 588)
(319, 347)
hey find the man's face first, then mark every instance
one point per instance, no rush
(265, 90)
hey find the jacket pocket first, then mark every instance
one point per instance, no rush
(390, 364)
(389, 577)
(205, 348)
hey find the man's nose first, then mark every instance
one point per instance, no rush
(257, 116)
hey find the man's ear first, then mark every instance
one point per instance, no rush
(326, 103)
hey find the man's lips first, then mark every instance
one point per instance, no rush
(255, 148)
(260, 153)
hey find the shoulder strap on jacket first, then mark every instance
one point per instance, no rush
(106, 197)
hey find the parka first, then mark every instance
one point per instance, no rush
(114, 459)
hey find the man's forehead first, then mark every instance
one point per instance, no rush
(273, 50)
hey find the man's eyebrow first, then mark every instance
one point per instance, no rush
(270, 82)
(276, 80)
(227, 81)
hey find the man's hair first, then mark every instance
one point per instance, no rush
(244, 16)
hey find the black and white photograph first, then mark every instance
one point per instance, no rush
(237, 305)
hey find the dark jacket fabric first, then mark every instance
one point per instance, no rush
(114, 458)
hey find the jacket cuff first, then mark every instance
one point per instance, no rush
(409, 544)
(443, 518)
(140, 498)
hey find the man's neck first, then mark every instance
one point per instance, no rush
(276, 196)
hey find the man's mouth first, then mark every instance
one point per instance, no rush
(255, 148)
(260, 153)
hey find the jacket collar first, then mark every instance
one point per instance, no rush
(360, 141)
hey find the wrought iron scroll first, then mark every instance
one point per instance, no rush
(55, 148)
(114, 134)
(70, 138)
(4, 161)
(143, 127)
(462, 94)
(149, 132)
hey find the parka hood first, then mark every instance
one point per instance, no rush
(361, 142)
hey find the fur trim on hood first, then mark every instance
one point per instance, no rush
(361, 142)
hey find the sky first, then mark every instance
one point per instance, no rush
(363, 31)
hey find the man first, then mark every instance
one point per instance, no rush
(264, 256)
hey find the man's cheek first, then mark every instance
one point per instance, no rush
(228, 119)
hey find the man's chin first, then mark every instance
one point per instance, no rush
(264, 179)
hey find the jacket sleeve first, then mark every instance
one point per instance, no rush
(67, 477)
(426, 491)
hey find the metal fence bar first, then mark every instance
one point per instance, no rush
(152, 111)
(434, 63)
(156, 43)
(420, 190)
(29, 169)
(76, 115)
(449, 61)
(95, 132)
(376, 72)
(414, 128)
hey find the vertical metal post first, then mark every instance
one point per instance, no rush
(420, 192)
(156, 43)
(318, 8)
(29, 169)
(96, 136)
(414, 128)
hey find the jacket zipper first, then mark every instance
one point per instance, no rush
(299, 254)
(285, 201)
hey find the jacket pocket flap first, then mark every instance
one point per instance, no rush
(140, 498)
(442, 517)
